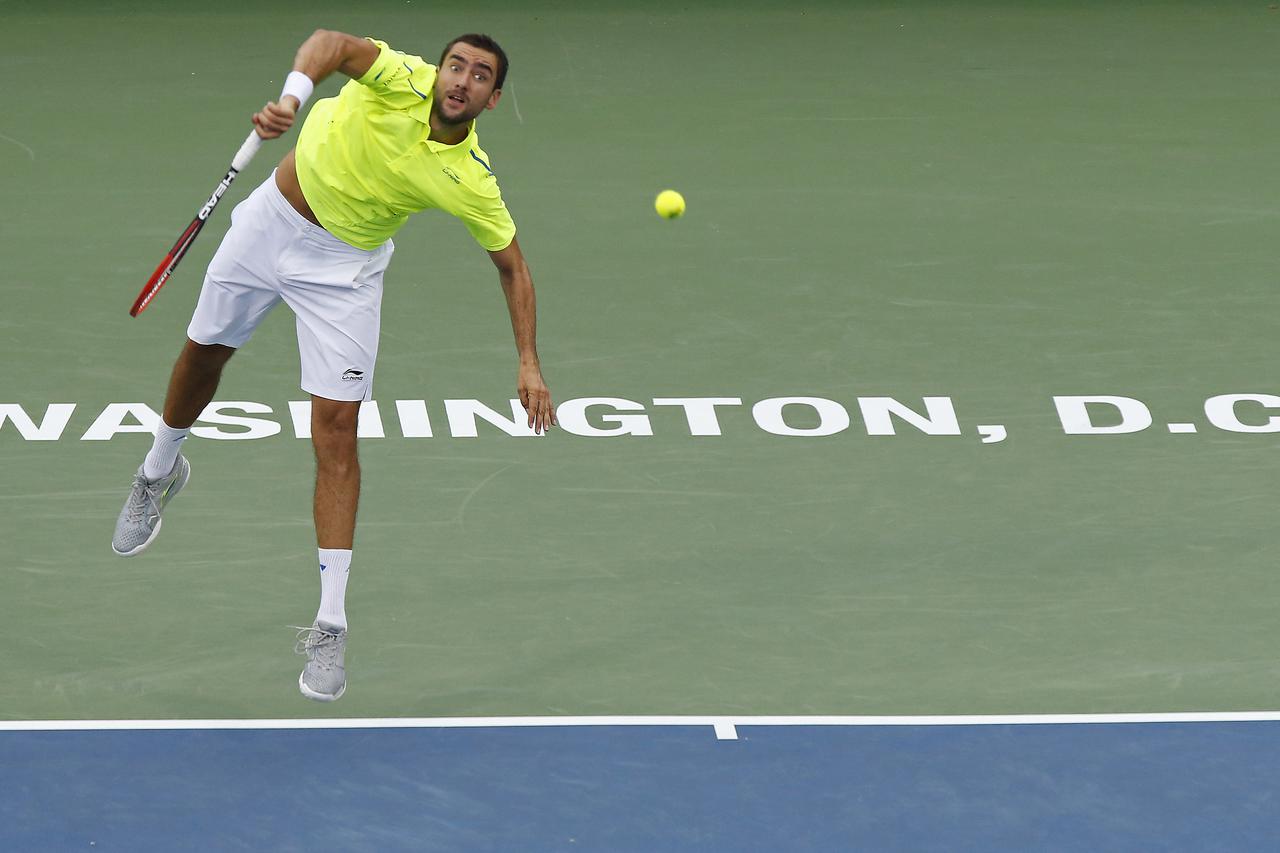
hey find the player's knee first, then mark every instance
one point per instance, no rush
(207, 357)
(337, 461)
(336, 455)
(333, 427)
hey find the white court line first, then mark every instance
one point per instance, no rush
(20, 144)
(725, 726)
(726, 731)
(515, 102)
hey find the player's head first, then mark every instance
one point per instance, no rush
(472, 70)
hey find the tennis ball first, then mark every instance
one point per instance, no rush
(669, 204)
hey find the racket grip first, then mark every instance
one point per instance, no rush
(246, 152)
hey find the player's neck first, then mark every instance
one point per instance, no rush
(449, 134)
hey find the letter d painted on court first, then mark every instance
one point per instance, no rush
(1075, 414)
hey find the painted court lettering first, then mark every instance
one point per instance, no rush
(939, 418)
(770, 416)
(1077, 417)
(251, 428)
(700, 412)
(573, 417)
(51, 426)
(462, 415)
(1222, 412)
(804, 417)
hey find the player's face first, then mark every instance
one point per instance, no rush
(465, 84)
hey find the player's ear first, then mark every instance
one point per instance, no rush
(493, 99)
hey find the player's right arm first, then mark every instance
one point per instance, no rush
(328, 51)
(325, 52)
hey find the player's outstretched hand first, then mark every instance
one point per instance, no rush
(275, 119)
(535, 398)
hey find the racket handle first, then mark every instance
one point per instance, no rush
(246, 152)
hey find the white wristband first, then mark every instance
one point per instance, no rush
(299, 85)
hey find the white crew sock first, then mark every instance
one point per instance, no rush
(335, 564)
(164, 452)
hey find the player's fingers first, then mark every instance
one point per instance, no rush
(278, 110)
(263, 130)
(276, 118)
(526, 401)
(546, 414)
(266, 129)
(535, 414)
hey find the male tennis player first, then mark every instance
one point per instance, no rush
(399, 137)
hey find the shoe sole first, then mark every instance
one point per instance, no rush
(320, 697)
(177, 486)
(144, 546)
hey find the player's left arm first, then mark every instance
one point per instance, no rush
(517, 286)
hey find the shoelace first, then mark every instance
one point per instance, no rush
(143, 498)
(318, 645)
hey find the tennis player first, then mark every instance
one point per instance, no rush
(399, 137)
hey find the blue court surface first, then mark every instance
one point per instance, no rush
(667, 785)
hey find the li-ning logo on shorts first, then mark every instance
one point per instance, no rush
(352, 375)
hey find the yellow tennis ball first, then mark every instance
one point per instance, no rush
(669, 204)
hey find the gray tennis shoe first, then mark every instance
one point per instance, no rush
(139, 521)
(324, 678)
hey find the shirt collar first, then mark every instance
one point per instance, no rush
(422, 112)
(465, 145)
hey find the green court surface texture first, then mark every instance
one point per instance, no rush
(982, 205)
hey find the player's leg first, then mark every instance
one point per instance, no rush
(165, 470)
(194, 381)
(192, 385)
(337, 497)
(337, 303)
(239, 289)
(333, 434)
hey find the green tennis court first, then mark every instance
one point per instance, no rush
(931, 218)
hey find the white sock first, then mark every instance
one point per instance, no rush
(335, 564)
(164, 452)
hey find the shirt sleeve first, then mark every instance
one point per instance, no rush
(401, 80)
(490, 223)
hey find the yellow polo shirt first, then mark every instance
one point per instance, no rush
(365, 163)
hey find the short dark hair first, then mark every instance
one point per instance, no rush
(483, 42)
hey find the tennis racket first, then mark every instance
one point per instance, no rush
(170, 262)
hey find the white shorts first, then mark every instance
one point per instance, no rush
(273, 254)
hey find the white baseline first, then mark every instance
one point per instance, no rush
(725, 727)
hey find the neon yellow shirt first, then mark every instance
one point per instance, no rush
(364, 161)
